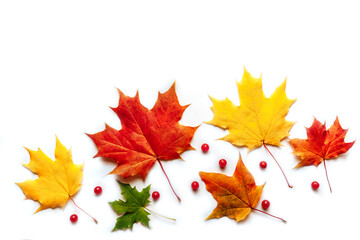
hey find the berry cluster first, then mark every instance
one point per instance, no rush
(265, 204)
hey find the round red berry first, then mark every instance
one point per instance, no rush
(194, 185)
(315, 185)
(205, 147)
(98, 190)
(265, 204)
(263, 164)
(155, 195)
(222, 163)
(73, 218)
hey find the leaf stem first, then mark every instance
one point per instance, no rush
(283, 220)
(83, 210)
(290, 186)
(162, 168)
(151, 211)
(327, 177)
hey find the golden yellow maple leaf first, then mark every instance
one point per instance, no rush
(258, 120)
(57, 180)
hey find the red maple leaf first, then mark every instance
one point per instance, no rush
(321, 144)
(146, 136)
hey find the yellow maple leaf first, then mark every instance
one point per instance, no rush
(258, 120)
(57, 180)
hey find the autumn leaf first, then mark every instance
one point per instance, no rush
(321, 144)
(134, 209)
(258, 120)
(146, 136)
(236, 196)
(57, 182)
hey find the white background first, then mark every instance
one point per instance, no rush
(60, 65)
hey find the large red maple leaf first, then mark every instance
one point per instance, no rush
(146, 136)
(321, 144)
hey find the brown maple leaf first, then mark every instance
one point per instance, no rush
(146, 136)
(321, 144)
(236, 195)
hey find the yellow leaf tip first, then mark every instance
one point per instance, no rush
(245, 71)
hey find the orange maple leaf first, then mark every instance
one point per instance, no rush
(321, 144)
(236, 196)
(146, 136)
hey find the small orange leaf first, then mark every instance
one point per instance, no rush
(236, 195)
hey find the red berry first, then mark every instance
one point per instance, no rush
(98, 190)
(155, 195)
(73, 218)
(315, 185)
(194, 185)
(263, 164)
(265, 204)
(222, 163)
(205, 147)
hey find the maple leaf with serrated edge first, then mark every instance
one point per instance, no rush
(134, 209)
(146, 136)
(258, 120)
(321, 144)
(57, 182)
(236, 196)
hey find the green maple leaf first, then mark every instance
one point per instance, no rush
(133, 209)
